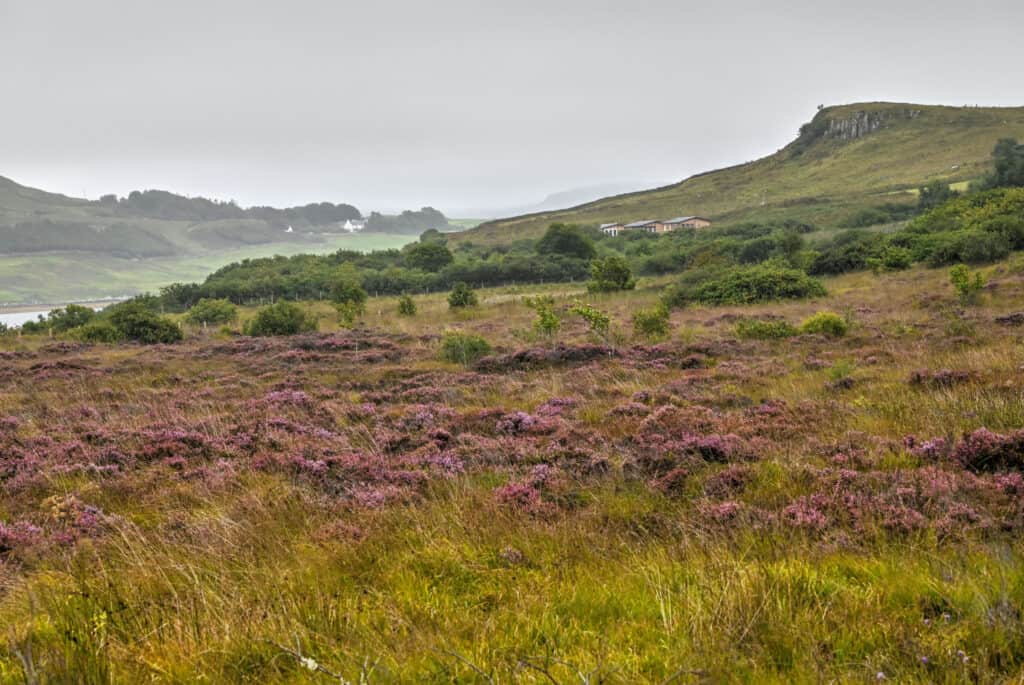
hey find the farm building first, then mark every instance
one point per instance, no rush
(650, 226)
(687, 222)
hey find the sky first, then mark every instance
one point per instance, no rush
(467, 106)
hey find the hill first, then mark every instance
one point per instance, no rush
(846, 159)
(55, 248)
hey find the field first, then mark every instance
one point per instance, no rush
(73, 277)
(823, 180)
(347, 507)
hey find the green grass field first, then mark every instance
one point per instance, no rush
(59, 278)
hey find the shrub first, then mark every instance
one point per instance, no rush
(406, 306)
(71, 316)
(135, 321)
(967, 284)
(651, 323)
(283, 318)
(347, 291)
(547, 323)
(841, 370)
(207, 311)
(610, 274)
(746, 285)
(349, 312)
(825, 323)
(431, 255)
(893, 258)
(567, 240)
(759, 329)
(60, 320)
(97, 332)
(981, 247)
(462, 296)
(463, 348)
(598, 322)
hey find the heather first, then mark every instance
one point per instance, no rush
(452, 497)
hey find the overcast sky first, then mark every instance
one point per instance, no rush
(458, 103)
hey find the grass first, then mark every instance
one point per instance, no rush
(60, 277)
(829, 182)
(235, 510)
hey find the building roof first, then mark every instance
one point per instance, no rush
(617, 223)
(640, 224)
(682, 219)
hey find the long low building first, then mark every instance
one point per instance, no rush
(652, 226)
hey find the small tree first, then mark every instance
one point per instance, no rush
(207, 311)
(462, 296)
(71, 316)
(567, 240)
(651, 323)
(406, 306)
(349, 313)
(967, 285)
(610, 274)
(547, 323)
(349, 299)
(599, 323)
(429, 256)
(933, 195)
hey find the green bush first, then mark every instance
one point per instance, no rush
(463, 348)
(462, 296)
(598, 322)
(825, 323)
(97, 332)
(283, 318)
(967, 285)
(406, 306)
(61, 320)
(134, 320)
(348, 290)
(610, 274)
(547, 324)
(651, 323)
(747, 285)
(897, 258)
(349, 312)
(760, 329)
(208, 311)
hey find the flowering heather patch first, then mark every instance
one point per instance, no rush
(728, 482)
(519, 496)
(805, 513)
(270, 488)
(984, 450)
(18, 536)
(934, 449)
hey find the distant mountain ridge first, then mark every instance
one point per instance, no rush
(846, 159)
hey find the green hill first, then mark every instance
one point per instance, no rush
(55, 248)
(845, 160)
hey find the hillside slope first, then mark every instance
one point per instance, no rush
(847, 158)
